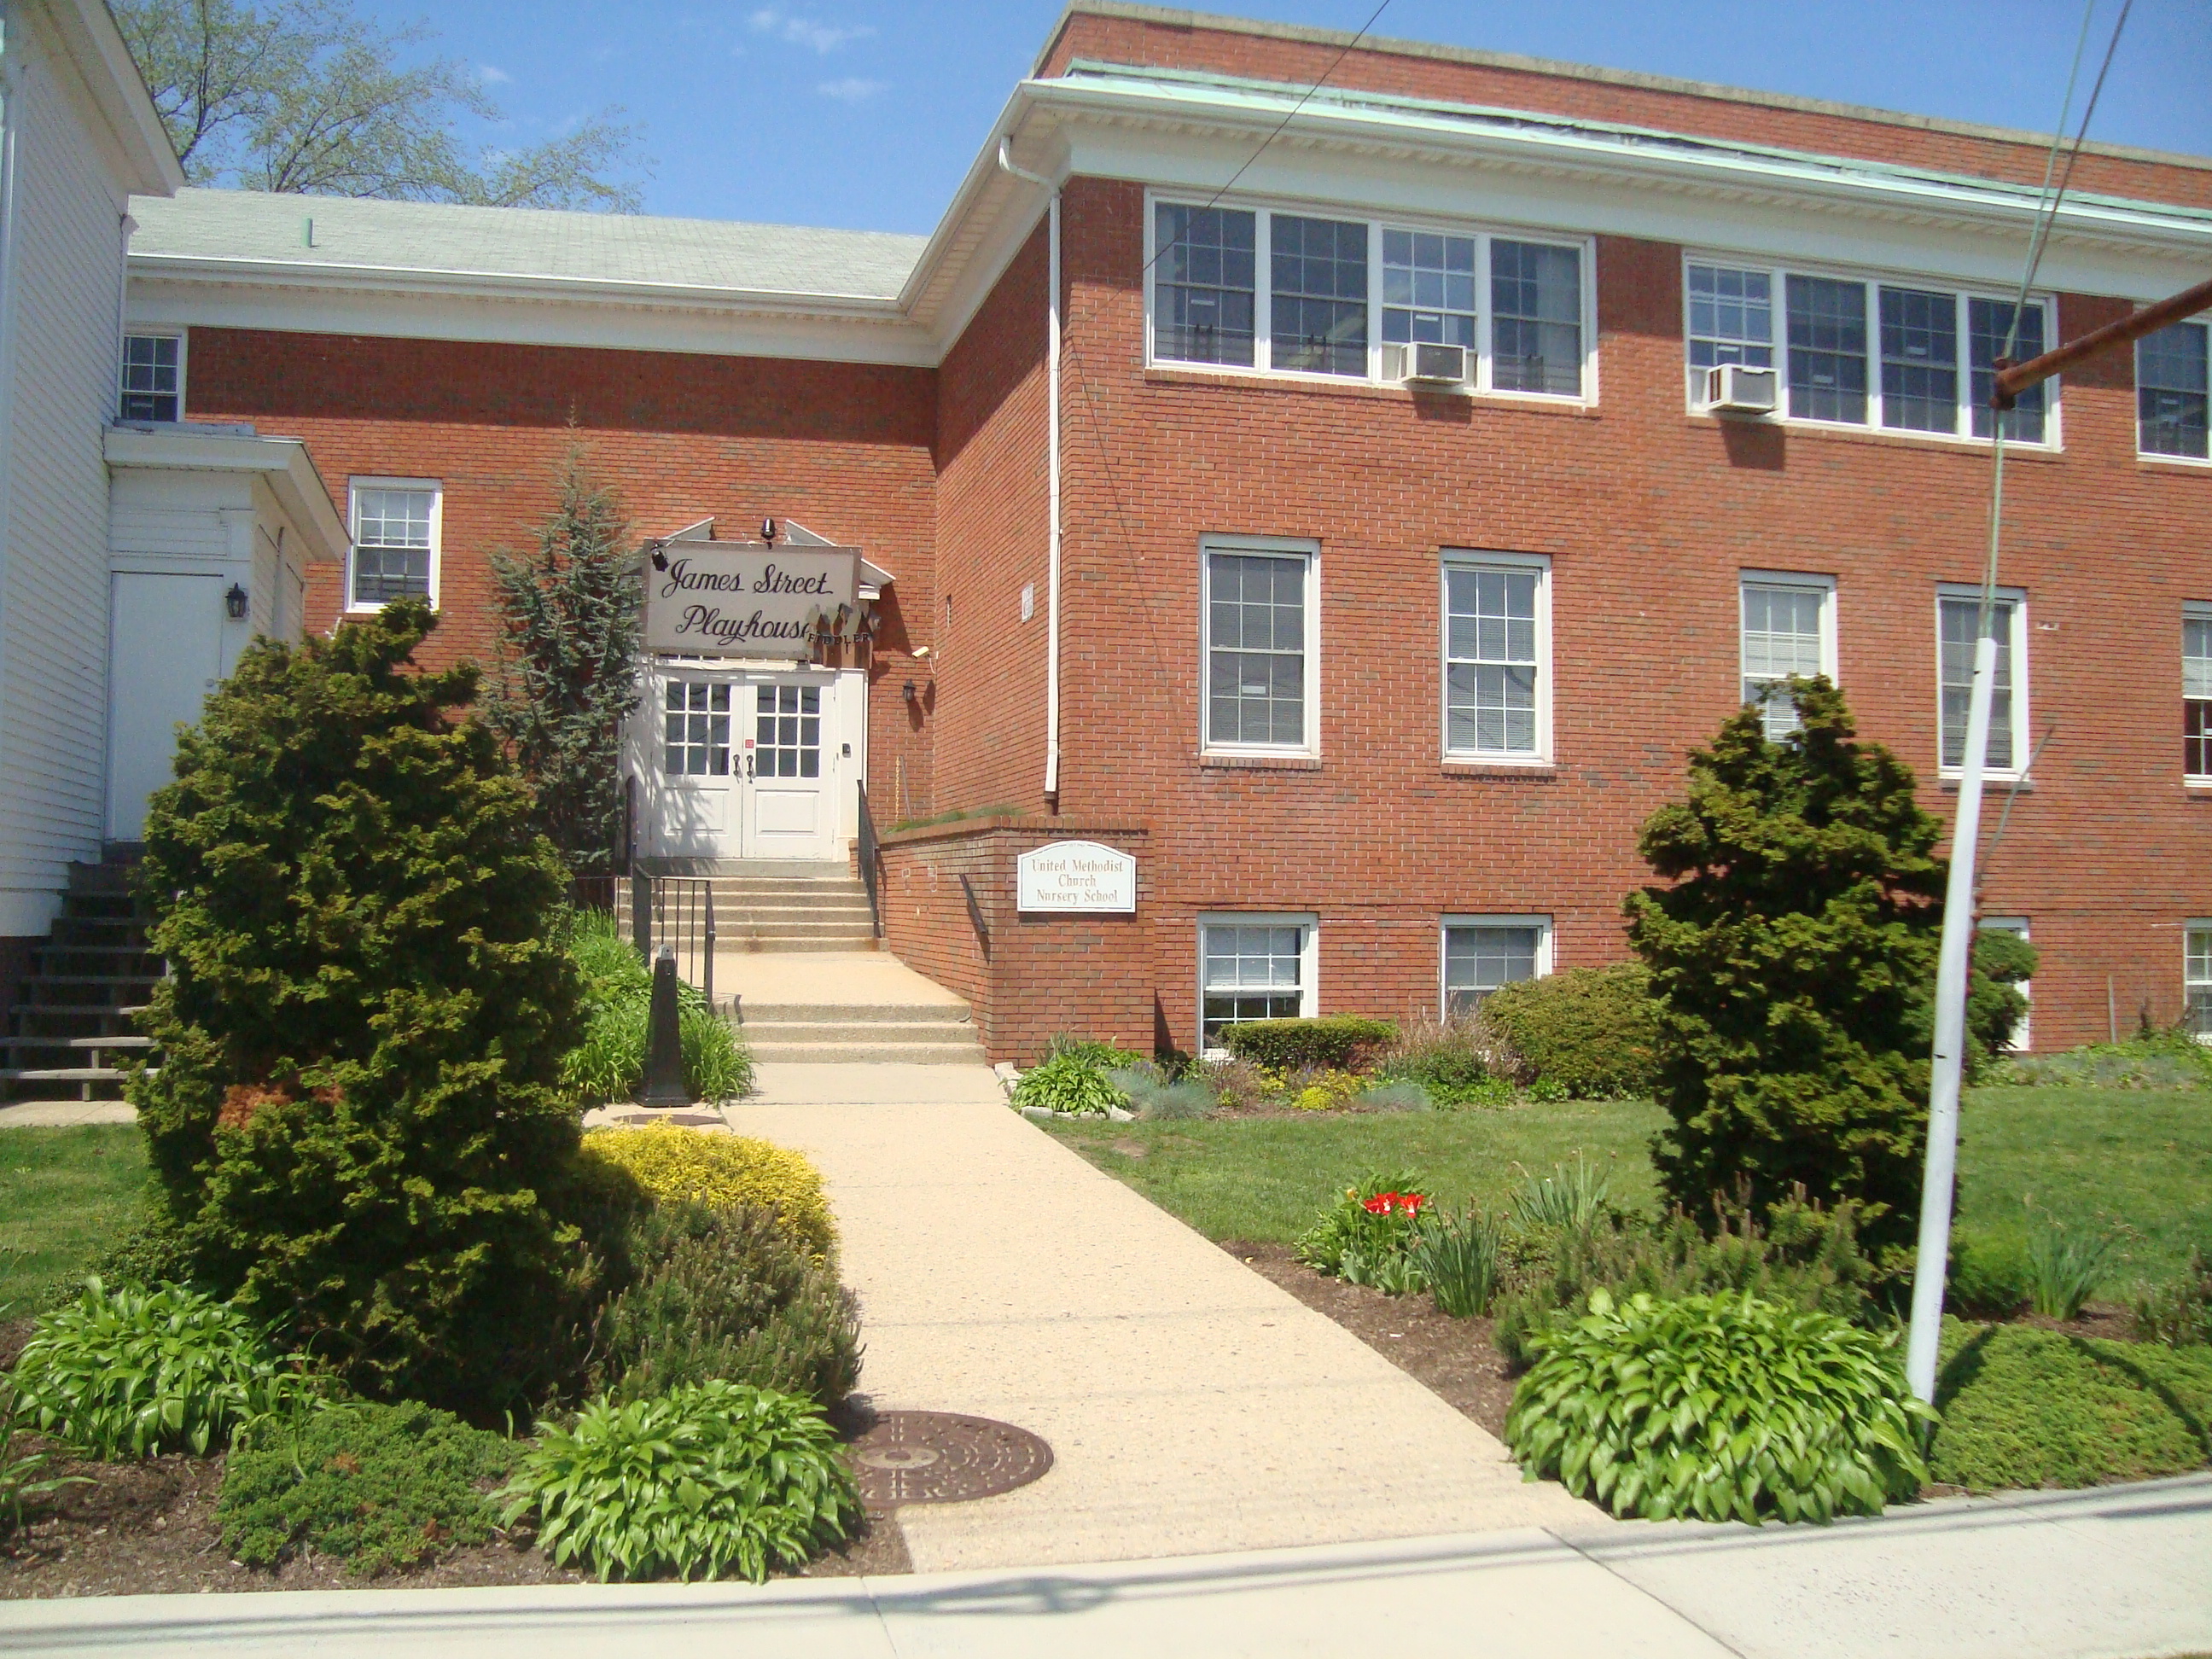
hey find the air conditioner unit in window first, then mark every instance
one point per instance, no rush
(1426, 364)
(1739, 389)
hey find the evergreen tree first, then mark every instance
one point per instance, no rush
(356, 1119)
(570, 634)
(1791, 959)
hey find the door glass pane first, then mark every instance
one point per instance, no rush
(787, 732)
(695, 734)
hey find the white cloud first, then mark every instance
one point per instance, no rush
(851, 90)
(796, 31)
(492, 76)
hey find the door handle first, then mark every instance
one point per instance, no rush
(749, 765)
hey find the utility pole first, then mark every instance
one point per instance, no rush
(1954, 960)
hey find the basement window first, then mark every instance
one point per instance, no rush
(1253, 967)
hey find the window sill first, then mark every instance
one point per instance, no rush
(1213, 762)
(1528, 771)
(1198, 374)
(2185, 463)
(1948, 783)
(1887, 436)
(2198, 788)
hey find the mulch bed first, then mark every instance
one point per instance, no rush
(1452, 1358)
(149, 1528)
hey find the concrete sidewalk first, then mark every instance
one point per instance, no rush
(2117, 1574)
(1192, 1407)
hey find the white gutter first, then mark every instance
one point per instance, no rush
(1052, 470)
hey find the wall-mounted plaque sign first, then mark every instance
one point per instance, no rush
(1076, 875)
(746, 598)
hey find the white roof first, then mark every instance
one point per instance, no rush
(359, 236)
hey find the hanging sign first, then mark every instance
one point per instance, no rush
(748, 598)
(1076, 875)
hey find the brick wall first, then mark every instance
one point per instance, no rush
(950, 911)
(1906, 140)
(1648, 515)
(843, 449)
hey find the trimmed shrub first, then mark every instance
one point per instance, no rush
(2027, 1407)
(723, 1172)
(1721, 1407)
(130, 1372)
(727, 1294)
(1340, 1042)
(383, 1487)
(1988, 1278)
(712, 1478)
(1447, 1058)
(357, 1112)
(1790, 959)
(1588, 1032)
(1368, 1234)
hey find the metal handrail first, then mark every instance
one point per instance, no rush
(871, 855)
(676, 913)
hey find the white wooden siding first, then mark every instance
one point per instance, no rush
(64, 229)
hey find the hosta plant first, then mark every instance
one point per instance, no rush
(1721, 1407)
(1367, 1235)
(704, 1481)
(129, 1372)
(1073, 1081)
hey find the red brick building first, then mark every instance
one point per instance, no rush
(1372, 550)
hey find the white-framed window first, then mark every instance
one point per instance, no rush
(2196, 692)
(2173, 377)
(1497, 650)
(695, 728)
(1481, 953)
(1253, 967)
(1857, 350)
(151, 386)
(1958, 627)
(2023, 1039)
(1788, 624)
(2197, 979)
(1261, 629)
(1316, 292)
(395, 524)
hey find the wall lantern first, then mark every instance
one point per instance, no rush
(234, 603)
(908, 692)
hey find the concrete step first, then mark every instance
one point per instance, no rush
(867, 1053)
(840, 905)
(766, 942)
(898, 1033)
(804, 1013)
(791, 928)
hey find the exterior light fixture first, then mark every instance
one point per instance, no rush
(234, 603)
(768, 532)
(907, 692)
(659, 554)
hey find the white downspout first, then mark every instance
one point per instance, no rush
(1052, 468)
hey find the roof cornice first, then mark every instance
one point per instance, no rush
(118, 91)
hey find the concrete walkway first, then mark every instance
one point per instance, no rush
(1192, 1406)
(64, 1113)
(2116, 1574)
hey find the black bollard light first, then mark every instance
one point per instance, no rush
(664, 1083)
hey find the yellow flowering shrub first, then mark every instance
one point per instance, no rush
(723, 1172)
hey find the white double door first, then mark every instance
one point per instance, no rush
(745, 765)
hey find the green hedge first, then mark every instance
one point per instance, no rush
(2025, 1407)
(1336, 1042)
(1589, 1030)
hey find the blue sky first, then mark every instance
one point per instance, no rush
(864, 114)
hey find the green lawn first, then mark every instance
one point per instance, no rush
(2107, 1157)
(65, 1195)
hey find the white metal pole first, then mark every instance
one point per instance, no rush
(1950, 1046)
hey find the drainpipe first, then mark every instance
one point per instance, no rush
(1052, 467)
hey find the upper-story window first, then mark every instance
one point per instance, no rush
(1789, 626)
(2170, 390)
(1958, 615)
(2196, 692)
(1260, 613)
(153, 383)
(1498, 691)
(1341, 296)
(1852, 352)
(395, 542)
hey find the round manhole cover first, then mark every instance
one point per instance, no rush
(937, 1457)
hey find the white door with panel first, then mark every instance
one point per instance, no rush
(745, 766)
(165, 655)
